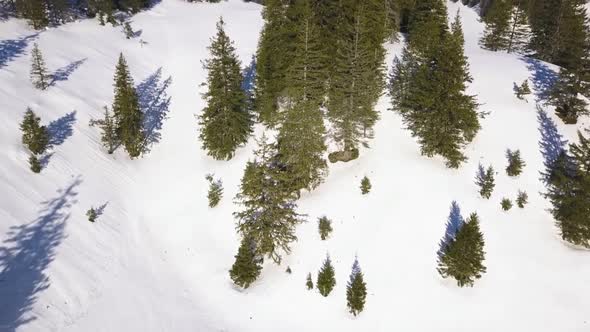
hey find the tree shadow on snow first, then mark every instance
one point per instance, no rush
(543, 78)
(552, 143)
(26, 255)
(60, 129)
(155, 103)
(63, 73)
(100, 210)
(11, 49)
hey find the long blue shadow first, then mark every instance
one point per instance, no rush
(11, 49)
(62, 74)
(25, 256)
(552, 143)
(155, 105)
(542, 77)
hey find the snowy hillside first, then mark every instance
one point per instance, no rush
(157, 259)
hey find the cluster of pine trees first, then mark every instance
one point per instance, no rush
(556, 31)
(428, 84)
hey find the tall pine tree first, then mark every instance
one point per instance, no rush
(225, 122)
(127, 114)
(356, 290)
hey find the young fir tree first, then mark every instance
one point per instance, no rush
(515, 163)
(522, 90)
(325, 227)
(269, 217)
(128, 31)
(126, 112)
(35, 136)
(326, 278)
(464, 256)
(309, 282)
(35, 164)
(357, 78)
(485, 180)
(522, 199)
(225, 122)
(215, 191)
(92, 214)
(506, 204)
(497, 25)
(565, 96)
(246, 268)
(108, 128)
(365, 185)
(39, 75)
(569, 193)
(356, 290)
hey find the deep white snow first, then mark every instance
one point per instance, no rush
(157, 258)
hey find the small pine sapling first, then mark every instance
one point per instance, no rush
(325, 227)
(215, 190)
(522, 90)
(464, 256)
(365, 185)
(109, 138)
(515, 163)
(522, 199)
(288, 270)
(506, 204)
(326, 279)
(356, 290)
(128, 30)
(92, 214)
(246, 268)
(34, 136)
(34, 164)
(309, 282)
(485, 180)
(39, 75)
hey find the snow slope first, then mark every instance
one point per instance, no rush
(157, 259)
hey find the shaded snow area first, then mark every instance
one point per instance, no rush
(157, 259)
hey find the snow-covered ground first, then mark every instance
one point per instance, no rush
(157, 259)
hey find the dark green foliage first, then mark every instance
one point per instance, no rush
(126, 112)
(39, 75)
(464, 256)
(35, 164)
(309, 282)
(288, 270)
(109, 138)
(269, 217)
(522, 199)
(92, 214)
(497, 25)
(103, 9)
(215, 190)
(34, 11)
(365, 185)
(325, 227)
(356, 290)
(225, 122)
(485, 181)
(326, 278)
(515, 163)
(35, 136)
(569, 193)
(246, 268)
(428, 88)
(519, 29)
(564, 95)
(128, 30)
(506, 204)
(522, 90)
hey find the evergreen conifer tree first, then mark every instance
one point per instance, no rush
(464, 256)
(565, 96)
(128, 30)
(269, 217)
(522, 199)
(309, 282)
(497, 25)
(225, 122)
(506, 204)
(215, 191)
(356, 290)
(34, 164)
(485, 180)
(35, 11)
(326, 278)
(519, 30)
(246, 268)
(108, 128)
(325, 227)
(515, 163)
(39, 75)
(454, 223)
(522, 90)
(34, 136)
(91, 214)
(126, 112)
(365, 185)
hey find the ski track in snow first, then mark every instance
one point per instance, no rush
(157, 259)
